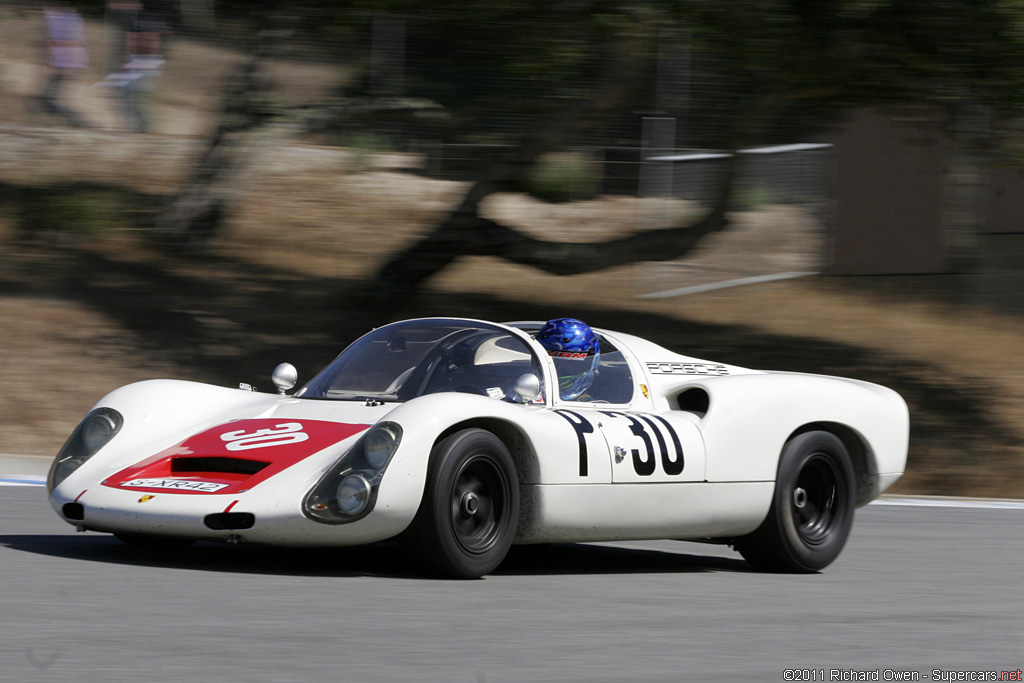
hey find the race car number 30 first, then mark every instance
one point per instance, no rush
(279, 435)
(641, 426)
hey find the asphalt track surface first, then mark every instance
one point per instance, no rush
(917, 589)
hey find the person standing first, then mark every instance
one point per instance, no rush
(65, 53)
(121, 20)
(142, 63)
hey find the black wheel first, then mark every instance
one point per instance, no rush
(470, 508)
(812, 510)
(155, 541)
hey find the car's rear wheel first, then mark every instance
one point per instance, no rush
(470, 508)
(812, 510)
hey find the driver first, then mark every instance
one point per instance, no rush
(575, 350)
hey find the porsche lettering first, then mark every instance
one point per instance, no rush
(687, 369)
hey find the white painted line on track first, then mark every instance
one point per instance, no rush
(944, 502)
(24, 470)
(22, 480)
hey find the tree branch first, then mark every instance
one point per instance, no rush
(455, 235)
(574, 258)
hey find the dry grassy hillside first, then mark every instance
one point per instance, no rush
(84, 311)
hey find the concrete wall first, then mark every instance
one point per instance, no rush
(888, 190)
(1005, 201)
(1001, 280)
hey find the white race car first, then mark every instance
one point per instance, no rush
(452, 435)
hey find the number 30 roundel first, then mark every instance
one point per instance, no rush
(278, 435)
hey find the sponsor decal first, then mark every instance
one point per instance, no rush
(574, 355)
(146, 498)
(181, 484)
(496, 392)
(674, 368)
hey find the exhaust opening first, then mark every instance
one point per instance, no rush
(222, 521)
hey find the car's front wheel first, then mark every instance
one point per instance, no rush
(812, 509)
(470, 508)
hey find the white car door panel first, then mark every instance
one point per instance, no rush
(648, 447)
(594, 461)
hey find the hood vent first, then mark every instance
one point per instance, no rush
(215, 464)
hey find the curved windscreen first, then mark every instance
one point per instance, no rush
(408, 359)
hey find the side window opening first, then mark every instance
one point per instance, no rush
(614, 381)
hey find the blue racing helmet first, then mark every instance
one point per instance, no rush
(575, 350)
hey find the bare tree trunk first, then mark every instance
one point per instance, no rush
(196, 213)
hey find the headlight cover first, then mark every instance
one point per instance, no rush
(353, 494)
(381, 443)
(349, 489)
(91, 434)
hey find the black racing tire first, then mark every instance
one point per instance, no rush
(155, 541)
(812, 509)
(470, 508)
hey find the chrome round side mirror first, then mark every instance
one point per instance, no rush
(284, 376)
(527, 387)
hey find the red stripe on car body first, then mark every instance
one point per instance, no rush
(270, 444)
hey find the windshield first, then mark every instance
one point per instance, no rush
(402, 361)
